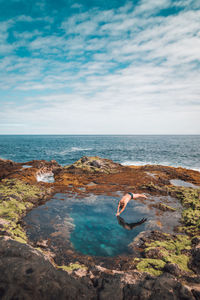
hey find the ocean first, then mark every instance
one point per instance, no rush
(169, 150)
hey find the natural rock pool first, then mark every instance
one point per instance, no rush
(89, 226)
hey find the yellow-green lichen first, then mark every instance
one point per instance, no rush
(171, 250)
(181, 242)
(72, 267)
(181, 260)
(152, 266)
(14, 202)
(191, 213)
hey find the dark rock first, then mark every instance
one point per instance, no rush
(192, 279)
(163, 287)
(95, 164)
(25, 273)
(109, 288)
(42, 244)
(196, 294)
(196, 241)
(173, 269)
(84, 159)
(15, 197)
(153, 253)
(195, 261)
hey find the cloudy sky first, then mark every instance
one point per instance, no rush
(100, 67)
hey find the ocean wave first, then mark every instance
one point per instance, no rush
(143, 163)
(72, 149)
(137, 163)
(45, 177)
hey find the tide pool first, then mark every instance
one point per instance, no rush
(89, 225)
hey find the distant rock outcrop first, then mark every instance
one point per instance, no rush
(94, 164)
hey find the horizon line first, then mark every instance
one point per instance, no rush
(99, 134)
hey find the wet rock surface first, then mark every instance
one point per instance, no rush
(164, 265)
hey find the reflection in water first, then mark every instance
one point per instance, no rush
(130, 226)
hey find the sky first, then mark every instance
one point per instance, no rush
(100, 67)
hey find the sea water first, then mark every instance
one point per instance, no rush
(170, 150)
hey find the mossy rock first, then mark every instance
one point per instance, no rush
(152, 266)
(172, 250)
(72, 267)
(14, 203)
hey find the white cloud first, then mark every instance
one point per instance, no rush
(124, 70)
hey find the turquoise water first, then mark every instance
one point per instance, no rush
(178, 150)
(87, 225)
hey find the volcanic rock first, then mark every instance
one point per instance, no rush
(26, 273)
(195, 262)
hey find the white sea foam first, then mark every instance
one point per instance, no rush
(138, 163)
(144, 163)
(70, 150)
(45, 177)
(73, 149)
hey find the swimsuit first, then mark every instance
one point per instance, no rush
(131, 194)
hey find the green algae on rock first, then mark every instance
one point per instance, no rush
(72, 267)
(175, 249)
(161, 249)
(16, 197)
(171, 250)
(190, 199)
(152, 266)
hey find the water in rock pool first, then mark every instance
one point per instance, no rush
(89, 225)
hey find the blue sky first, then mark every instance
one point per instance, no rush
(100, 67)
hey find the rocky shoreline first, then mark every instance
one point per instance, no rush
(165, 265)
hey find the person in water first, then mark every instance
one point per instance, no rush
(125, 199)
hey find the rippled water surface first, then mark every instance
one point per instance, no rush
(89, 225)
(137, 150)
